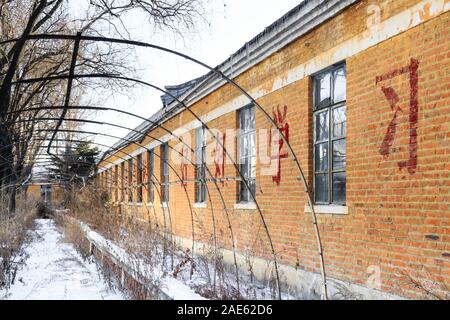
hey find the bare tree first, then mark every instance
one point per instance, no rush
(21, 134)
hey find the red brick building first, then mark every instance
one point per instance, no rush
(361, 91)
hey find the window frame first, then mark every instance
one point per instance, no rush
(122, 182)
(130, 180)
(140, 194)
(150, 173)
(116, 183)
(331, 139)
(165, 174)
(200, 166)
(242, 133)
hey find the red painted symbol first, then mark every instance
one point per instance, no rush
(279, 118)
(184, 166)
(392, 97)
(220, 157)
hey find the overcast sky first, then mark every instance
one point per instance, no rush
(231, 23)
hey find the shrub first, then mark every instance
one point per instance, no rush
(13, 236)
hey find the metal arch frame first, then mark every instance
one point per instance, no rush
(154, 178)
(230, 81)
(241, 176)
(140, 145)
(125, 159)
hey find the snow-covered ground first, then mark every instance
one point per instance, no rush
(56, 271)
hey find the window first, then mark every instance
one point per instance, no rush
(330, 136)
(139, 178)
(110, 182)
(130, 180)
(247, 153)
(150, 173)
(122, 181)
(116, 183)
(165, 173)
(200, 162)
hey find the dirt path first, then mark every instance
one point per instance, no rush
(56, 271)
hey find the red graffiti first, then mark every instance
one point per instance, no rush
(184, 166)
(389, 138)
(283, 129)
(392, 97)
(220, 157)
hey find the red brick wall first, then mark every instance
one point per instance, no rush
(398, 219)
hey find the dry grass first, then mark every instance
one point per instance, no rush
(74, 235)
(13, 236)
(148, 244)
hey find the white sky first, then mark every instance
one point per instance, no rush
(232, 23)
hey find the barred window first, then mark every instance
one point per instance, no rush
(200, 161)
(122, 181)
(247, 153)
(130, 180)
(150, 173)
(330, 136)
(116, 183)
(110, 182)
(165, 173)
(139, 178)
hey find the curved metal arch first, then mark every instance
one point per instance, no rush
(230, 81)
(243, 180)
(132, 163)
(134, 142)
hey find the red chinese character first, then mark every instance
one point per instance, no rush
(184, 166)
(283, 129)
(392, 97)
(220, 157)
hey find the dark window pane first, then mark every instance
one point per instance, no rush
(116, 184)
(340, 85)
(122, 182)
(139, 178)
(323, 90)
(243, 115)
(165, 172)
(199, 141)
(130, 180)
(252, 191)
(252, 119)
(321, 188)
(247, 119)
(245, 167)
(321, 154)
(247, 151)
(246, 193)
(253, 167)
(150, 172)
(201, 186)
(339, 122)
(252, 144)
(243, 193)
(339, 152)
(339, 188)
(321, 126)
(244, 146)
